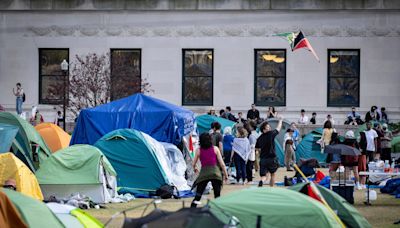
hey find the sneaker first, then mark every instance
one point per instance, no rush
(260, 184)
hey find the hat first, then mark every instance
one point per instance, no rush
(349, 135)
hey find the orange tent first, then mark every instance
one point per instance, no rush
(54, 136)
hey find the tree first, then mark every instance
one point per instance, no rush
(90, 82)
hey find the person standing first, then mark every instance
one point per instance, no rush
(19, 94)
(216, 135)
(253, 114)
(326, 134)
(227, 144)
(303, 118)
(386, 143)
(271, 112)
(295, 135)
(211, 166)
(379, 131)
(240, 154)
(362, 159)
(266, 145)
(371, 137)
(251, 128)
(289, 154)
(350, 162)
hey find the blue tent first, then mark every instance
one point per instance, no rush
(163, 121)
(7, 135)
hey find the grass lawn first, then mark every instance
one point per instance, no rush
(383, 212)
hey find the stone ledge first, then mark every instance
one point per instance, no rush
(199, 5)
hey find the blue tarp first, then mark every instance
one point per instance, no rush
(7, 135)
(163, 121)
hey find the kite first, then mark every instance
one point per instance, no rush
(297, 40)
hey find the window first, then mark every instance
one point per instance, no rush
(126, 73)
(51, 77)
(270, 77)
(343, 78)
(197, 77)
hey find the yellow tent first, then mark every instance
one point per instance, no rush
(54, 136)
(13, 168)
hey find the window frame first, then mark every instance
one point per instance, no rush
(256, 50)
(211, 103)
(328, 103)
(42, 100)
(111, 65)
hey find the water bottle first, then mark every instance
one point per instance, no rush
(387, 166)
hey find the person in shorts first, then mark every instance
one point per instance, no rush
(266, 146)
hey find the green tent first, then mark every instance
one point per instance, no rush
(309, 148)
(34, 213)
(140, 161)
(346, 212)
(396, 144)
(78, 168)
(204, 123)
(28, 145)
(276, 207)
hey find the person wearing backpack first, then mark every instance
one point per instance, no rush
(350, 162)
(211, 165)
(19, 95)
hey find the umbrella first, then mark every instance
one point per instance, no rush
(342, 150)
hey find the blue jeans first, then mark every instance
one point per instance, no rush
(240, 167)
(19, 105)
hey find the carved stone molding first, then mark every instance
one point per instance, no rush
(212, 31)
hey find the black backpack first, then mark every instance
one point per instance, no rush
(167, 192)
(23, 97)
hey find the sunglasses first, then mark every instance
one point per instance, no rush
(10, 187)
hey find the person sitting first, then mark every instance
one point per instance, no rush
(384, 116)
(229, 115)
(211, 112)
(372, 115)
(330, 118)
(353, 118)
(307, 167)
(303, 118)
(10, 184)
(253, 114)
(240, 119)
(271, 112)
(313, 119)
(37, 119)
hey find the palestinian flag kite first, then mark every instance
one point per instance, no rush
(297, 41)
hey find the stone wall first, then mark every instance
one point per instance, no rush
(199, 4)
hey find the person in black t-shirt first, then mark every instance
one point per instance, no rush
(216, 135)
(266, 146)
(253, 114)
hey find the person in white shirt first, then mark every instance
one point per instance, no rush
(251, 128)
(371, 136)
(303, 118)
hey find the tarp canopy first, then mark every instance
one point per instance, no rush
(34, 213)
(346, 212)
(163, 121)
(141, 162)
(55, 137)
(204, 122)
(309, 148)
(277, 207)
(7, 135)
(29, 146)
(12, 168)
(78, 164)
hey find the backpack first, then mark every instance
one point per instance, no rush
(167, 192)
(23, 97)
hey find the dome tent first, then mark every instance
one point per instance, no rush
(142, 163)
(55, 137)
(13, 168)
(78, 169)
(163, 121)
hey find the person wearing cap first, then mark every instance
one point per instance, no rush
(350, 162)
(303, 118)
(386, 143)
